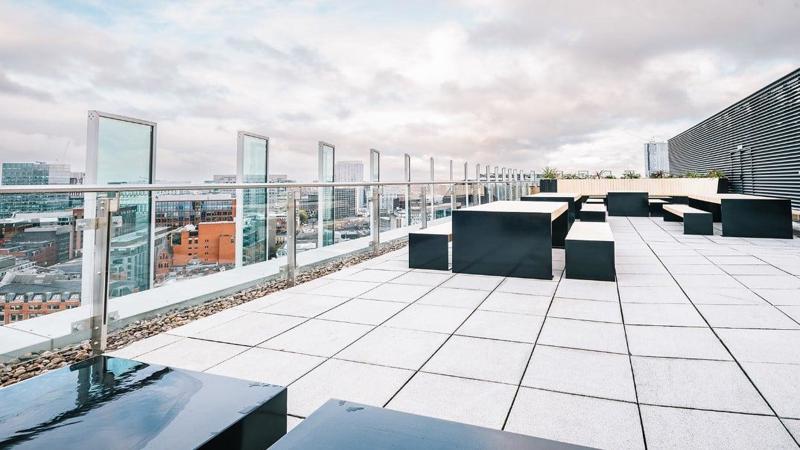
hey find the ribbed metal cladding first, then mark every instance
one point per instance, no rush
(756, 142)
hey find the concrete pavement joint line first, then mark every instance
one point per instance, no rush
(775, 414)
(630, 360)
(488, 293)
(530, 355)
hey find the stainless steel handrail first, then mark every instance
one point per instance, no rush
(86, 188)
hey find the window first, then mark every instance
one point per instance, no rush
(16, 317)
(15, 307)
(53, 307)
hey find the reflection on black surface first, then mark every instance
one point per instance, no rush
(115, 403)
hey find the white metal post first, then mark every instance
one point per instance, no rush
(466, 185)
(407, 177)
(291, 238)
(432, 190)
(478, 184)
(376, 218)
(422, 202)
(452, 190)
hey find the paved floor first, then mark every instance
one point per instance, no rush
(697, 345)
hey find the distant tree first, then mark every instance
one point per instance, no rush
(303, 216)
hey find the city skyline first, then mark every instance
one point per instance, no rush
(515, 84)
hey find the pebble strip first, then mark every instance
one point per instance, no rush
(34, 364)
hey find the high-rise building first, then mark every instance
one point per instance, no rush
(656, 157)
(33, 173)
(349, 171)
(180, 209)
(754, 142)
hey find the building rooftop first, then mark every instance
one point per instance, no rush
(697, 343)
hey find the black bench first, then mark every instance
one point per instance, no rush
(106, 402)
(695, 221)
(590, 252)
(345, 425)
(631, 204)
(428, 248)
(657, 206)
(593, 212)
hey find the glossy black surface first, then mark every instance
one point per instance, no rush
(548, 185)
(713, 208)
(510, 244)
(428, 251)
(630, 204)
(110, 403)
(592, 216)
(757, 218)
(345, 425)
(590, 260)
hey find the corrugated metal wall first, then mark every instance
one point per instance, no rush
(756, 142)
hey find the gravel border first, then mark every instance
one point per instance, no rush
(34, 364)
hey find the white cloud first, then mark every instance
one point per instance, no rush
(511, 83)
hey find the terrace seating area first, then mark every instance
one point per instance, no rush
(696, 343)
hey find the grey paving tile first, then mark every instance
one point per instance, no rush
(600, 311)
(788, 297)
(735, 260)
(192, 354)
(357, 310)
(575, 419)
(755, 269)
(267, 366)
(250, 329)
(439, 319)
(474, 402)
(769, 281)
(583, 372)
(391, 292)
(528, 286)
(654, 268)
(199, 325)
(723, 296)
(356, 382)
(395, 347)
(457, 298)
(608, 337)
(706, 281)
(780, 385)
(516, 303)
(686, 428)
(794, 427)
(500, 325)
(481, 359)
(659, 294)
(305, 305)
(588, 290)
(645, 279)
(683, 315)
(470, 281)
(746, 316)
(146, 345)
(713, 385)
(423, 278)
(318, 337)
(292, 422)
(344, 288)
(373, 275)
(675, 342)
(263, 302)
(776, 346)
(697, 269)
(792, 311)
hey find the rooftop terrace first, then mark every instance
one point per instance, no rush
(697, 343)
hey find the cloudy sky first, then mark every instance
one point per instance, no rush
(516, 83)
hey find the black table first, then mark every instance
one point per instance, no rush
(344, 425)
(112, 403)
(508, 238)
(572, 199)
(748, 215)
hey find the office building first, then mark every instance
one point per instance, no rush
(35, 173)
(755, 142)
(656, 157)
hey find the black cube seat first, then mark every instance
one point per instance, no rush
(593, 212)
(590, 252)
(340, 424)
(632, 204)
(428, 248)
(107, 402)
(657, 206)
(695, 221)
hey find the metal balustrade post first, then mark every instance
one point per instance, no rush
(291, 238)
(101, 226)
(423, 209)
(376, 219)
(466, 186)
(452, 190)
